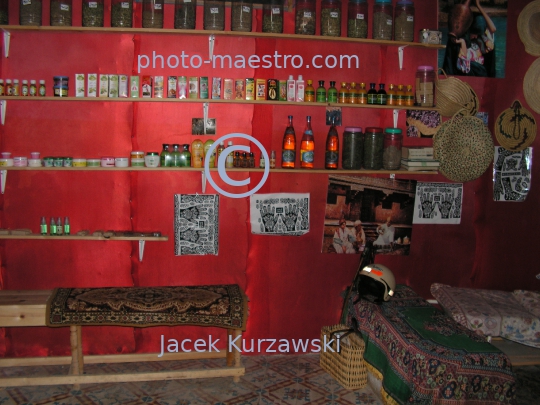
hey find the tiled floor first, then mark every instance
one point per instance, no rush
(290, 380)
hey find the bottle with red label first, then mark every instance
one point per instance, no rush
(307, 147)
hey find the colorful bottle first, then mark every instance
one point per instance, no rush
(175, 156)
(332, 148)
(165, 158)
(291, 89)
(67, 228)
(288, 154)
(353, 94)
(332, 93)
(273, 159)
(300, 89)
(220, 149)
(197, 153)
(307, 146)
(362, 94)
(392, 96)
(321, 92)
(372, 94)
(400, 95)
(185, 156)
(230, 157)
(310, 92)
(212, 158)
(52, 228)
(43, 226)
(343, 94)
(59, 228)
(409, 96)
(381, 95)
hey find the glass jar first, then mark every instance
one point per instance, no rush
(92, 13)
(61, 13)
(357, 19)
(382, 20)
(373, 148)
(305, 17)
(30, 12)
(241, 16)
(214, 15)
(152, 14)
(404, 21)
(425, 86)
(4, 12)
(331, 18)
(273, 17)
(185, 14)
(393, 141)
(353, 148)
(122, 13)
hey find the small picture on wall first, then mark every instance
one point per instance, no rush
(361, 209)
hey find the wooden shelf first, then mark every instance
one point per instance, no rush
(89, 237)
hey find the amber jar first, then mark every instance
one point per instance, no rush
(185, 14)
(92, 13)
(152, 14)
(357, 19)
(404, 21)
(273, 17)
(305, 17)
(214, 15)
(122, 13)
(353, 148)
(393, 142)
(383, 20)
(241, 16)
(61, 13)
(373, 148)
(331, 18)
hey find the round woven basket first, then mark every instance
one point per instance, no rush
(531, 86)
(464, 147)
(515, 128)
(529, 27)
(454, 95)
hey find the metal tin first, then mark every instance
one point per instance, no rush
(427, 36)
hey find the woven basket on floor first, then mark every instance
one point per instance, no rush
(453, 95)
(347, 366)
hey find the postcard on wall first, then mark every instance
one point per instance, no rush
(511, 174)
(196, 224)
(438, 203)
(279, 214)
(362, 209)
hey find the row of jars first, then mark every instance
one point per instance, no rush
(386, 20)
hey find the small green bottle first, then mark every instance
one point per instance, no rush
(332, 93)
(43, 226)
(53, 227)
(321, 93)
(372, 94)
(185, 157)
(175, 156)
(66, 226)
(165, 158)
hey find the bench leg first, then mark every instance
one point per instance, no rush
(77, 361)
(233, 357)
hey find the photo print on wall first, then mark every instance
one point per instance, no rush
(438, 203)
(360, 209)
(279, 214)
(511, 174)
(196, 224)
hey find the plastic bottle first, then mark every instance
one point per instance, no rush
(42, 90)
(59, 227)
(273, 159)
(185, 156)
(353, 94)
(307, 146)
(16, 88)
(52, 228)
(381, 95)
(288, 154)
(332, 93)
(409, 96)
(362, 94)
(310, 92)
(400, 95)
(331, 156)
(165, 158)
(197, 153)
(43, 226)
(391, 96)
(219, 149)
(24, 88)
(357, 19)
(372, 94)
(300, 89)
(291, 89)
(230, 157)
(67, 227)
(212, 158)
(321, 93)
(175, 156)
(343, 94)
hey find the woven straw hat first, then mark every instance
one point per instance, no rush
(464, 147)
(531, 86)
(515, 128)
(529, 27)
(454, 95)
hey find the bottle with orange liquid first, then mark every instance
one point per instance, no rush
(343, 94)
(362, 94)
(353, 94)
(409, 96)
(288, 155)
(400, 95)
(391, 95)
(197, 153)
(332, 148)
(307, 146)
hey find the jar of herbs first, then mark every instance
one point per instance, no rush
(122, 13)
(404, 21)
(393, 141)
(331, 18)
(241, 16)
(214, 15)
(185, 14)
(383, 20)
(61, 13)
(152, 14)
(373, 148)
(353, 148)
(30, 12)
(4, 12)
(273, 17)
(92, 13)
(357, 19)
(305, 17)
(425, 86)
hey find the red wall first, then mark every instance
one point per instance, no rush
(294, 289)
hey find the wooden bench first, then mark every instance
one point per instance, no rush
(28, 308)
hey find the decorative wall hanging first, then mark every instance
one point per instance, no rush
(511, 174)
(531, 86)
(529, 27)
(422, 123)
(279, 214)
(515, 128)
(196, 224)
(464, 147)
(438, 203)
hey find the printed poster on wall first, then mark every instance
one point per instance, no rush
(361, 209)
(196, 224)
(438, 203)
(511, 174)
(279, 214)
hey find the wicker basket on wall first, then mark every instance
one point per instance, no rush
(454, 95)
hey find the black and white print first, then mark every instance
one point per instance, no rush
(196, 224)
(511, 174)
(438, 203)
(279, 214)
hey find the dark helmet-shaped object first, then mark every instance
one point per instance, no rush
(376, 283)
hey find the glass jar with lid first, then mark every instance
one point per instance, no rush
(404, 21)
(92, 13)
(393, 142)
(331, 18)
(152, 14)
(353, 148)
(357, 19)
(425, 86)
(305, 17)
(214, 15)
(273, 16)
(241, 16)
(30, 12)
(61, 13)
(4, 12)
(373, 148)
(122, 13)
(185, 14)
(383, 20)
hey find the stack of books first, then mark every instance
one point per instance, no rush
(415, 159)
